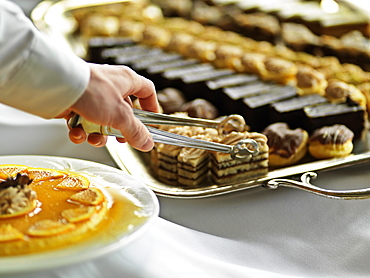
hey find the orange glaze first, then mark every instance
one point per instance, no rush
(115, 216)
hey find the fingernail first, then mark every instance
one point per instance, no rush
(99, 144)
(148, 145)
(78, 137)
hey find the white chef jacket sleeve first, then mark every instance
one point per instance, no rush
(36, 75)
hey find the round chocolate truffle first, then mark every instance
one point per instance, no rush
(200, 108)
(171, 100)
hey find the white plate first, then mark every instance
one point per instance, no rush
(136, 191)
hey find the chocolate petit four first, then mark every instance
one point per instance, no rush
(225, 169)
(328, 114)
(291, 111)
(231, 99)
(214, 91)
(256, 108)
(96, 45)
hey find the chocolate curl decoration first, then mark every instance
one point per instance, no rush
(21, 180)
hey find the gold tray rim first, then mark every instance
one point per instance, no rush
(130, 160)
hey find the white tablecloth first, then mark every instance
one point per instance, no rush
(253, 233)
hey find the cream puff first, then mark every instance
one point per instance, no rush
(331, 141)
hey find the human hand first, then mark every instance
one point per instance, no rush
(106, 101)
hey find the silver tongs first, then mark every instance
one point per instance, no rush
(244, 148)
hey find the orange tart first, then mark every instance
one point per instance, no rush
(44, 209)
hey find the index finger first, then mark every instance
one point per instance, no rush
(147, 95)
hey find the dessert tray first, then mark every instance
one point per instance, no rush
(54, 19)
(137, 164)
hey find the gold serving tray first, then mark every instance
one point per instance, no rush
(55, 19)
(138, 164)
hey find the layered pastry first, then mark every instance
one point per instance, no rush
(331, 141)
(225, 169)
(286, 146)
(192, 165)
(165, 165)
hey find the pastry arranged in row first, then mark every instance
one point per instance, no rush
(289, 146)
(315, 103)
(192, 167)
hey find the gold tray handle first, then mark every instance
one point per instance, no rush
(305, 185)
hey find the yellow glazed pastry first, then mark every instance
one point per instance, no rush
(45, 209)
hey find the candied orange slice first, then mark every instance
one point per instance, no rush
(78, 214)
(21, 212)
(74, 182)
(9, 233)
(47, 227)
(91, 196)
(39, 174)
(11, 170)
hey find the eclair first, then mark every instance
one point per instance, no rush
(286, 146)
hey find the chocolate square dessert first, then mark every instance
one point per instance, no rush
(96, 45)
(328, 114)
(256, 108)
(214, 88)
(232, 97)
(193, 84)
(156, 72)
(291, 110)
